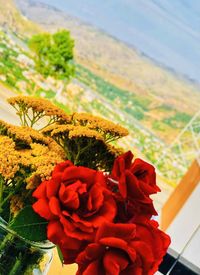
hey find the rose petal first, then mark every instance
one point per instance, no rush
(54, 206)
(92, 252)
(96, 198)
(134, 190)
(121, 163)
(74, 173)
(123, 185)
(60, 167)
(144, 251)
(42, 208)
(72, 230)
(114, 262)
(100, 179)
(106, 213)
(94, 268)
(69, 195)
(120, 230)
(145, 172)
(40, 192)
(52, 188)
(133, 269)
(55, 232)
(114, 242)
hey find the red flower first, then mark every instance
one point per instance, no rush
(124, 249)
(76, 202)
(148, 232)
(133, 183)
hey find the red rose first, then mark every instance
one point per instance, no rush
(76, 202)
(148, 232)
(122, 249)
(133, 182)
(132, 210)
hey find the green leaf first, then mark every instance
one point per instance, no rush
(29, 225)
(60, 254)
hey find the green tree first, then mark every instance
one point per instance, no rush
(54, 54)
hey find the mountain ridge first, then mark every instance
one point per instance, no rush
(167, 31)
(181, 76)
(11, 18)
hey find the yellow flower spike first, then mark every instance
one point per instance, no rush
(81, 131)
(9, 159)
(40, 108)
(26, 134)
(110, 130)
(61, 130)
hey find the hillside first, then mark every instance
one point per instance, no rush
(118, 63)
(11, 18)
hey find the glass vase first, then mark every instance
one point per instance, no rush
(19, 256)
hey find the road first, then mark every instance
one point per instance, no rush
(7, 112)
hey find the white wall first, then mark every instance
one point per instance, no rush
(185, 231)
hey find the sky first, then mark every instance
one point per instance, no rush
(167, 31)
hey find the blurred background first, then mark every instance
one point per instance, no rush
(135, 62)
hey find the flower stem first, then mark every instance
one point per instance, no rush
(6, 239)
(1, 189)
(16, 267)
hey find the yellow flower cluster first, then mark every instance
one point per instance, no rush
(3, 124)
(9, 159)
(81, 131)
(26, 134)
(109, 129)
(62, 129)
(71, 131)
(54, 147)
(22, 133)
(41, 150)
(101, 125)
(40, 158)
(41, 106)
(42, 165)
(38, 149)
(16, 204)
(114, 150)
(84, 118)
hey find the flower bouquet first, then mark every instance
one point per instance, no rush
(63, 183)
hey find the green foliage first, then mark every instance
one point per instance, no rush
(53, 54)
(10, 69)
(158, 125)
(30, 225)
(47, 94)
(127, 101)
(10, 80)
(135, 112)
(60, 254)
(179, 120)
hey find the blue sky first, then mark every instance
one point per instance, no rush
(166, 30)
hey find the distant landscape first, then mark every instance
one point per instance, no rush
(166, 31)
(112, 79)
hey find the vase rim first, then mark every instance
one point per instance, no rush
(42, 245)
